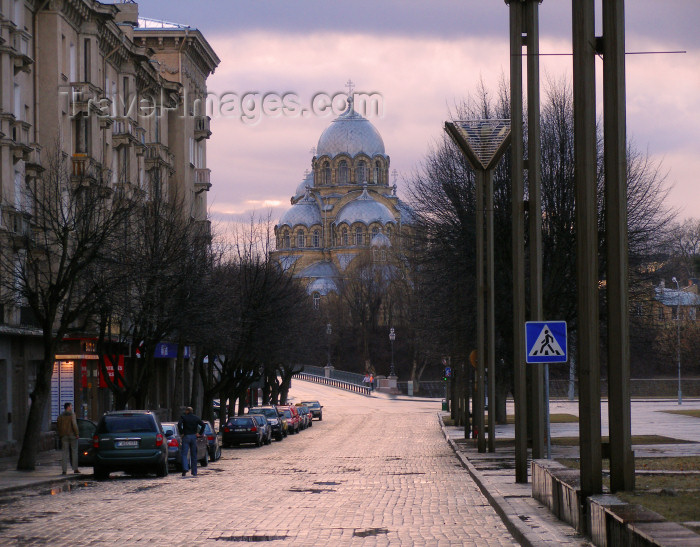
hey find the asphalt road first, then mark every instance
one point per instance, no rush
(375, 471)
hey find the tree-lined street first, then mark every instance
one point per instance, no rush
(374, 471)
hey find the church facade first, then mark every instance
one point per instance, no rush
(343, 208)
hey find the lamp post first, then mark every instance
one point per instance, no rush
(392, 337)
(678, 353)
(329, 331)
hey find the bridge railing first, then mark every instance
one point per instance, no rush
(334, 382)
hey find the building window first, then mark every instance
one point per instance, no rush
(344, 237)
(326, 173)
(358, 236)
(691, 313)
(317, 300)
(316, 239)
(361, 172)
(388, 232)
(343, 172)
(300, 238)
(375, 231)
(674, 312)
(377, 172)
(285, 240)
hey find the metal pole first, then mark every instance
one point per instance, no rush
(480, 315)
(518, 238)
(678, 350)
(490, 310)
(615, 160)
(537, 399)
(583, 22)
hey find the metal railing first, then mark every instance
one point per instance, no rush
(332, 382)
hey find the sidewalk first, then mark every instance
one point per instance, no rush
(530, 522)
(47, 473)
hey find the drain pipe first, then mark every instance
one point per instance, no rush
(35, 23)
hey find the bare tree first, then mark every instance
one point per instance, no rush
(56, 267)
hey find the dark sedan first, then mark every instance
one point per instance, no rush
(242, 429)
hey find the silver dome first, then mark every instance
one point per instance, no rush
(365, 209)
(319, 269)
(350, 134)
(304, 212)
(323, 286)
(308, 181)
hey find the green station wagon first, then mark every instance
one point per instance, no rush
(131, 441)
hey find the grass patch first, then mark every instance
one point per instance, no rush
(686, 463)
(684, 506)
(636, 439)
(694, 413)
(553, 419)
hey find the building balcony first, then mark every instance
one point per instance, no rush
(32, 165)
(202, 180)
(21, 44)
(85, 98)
(202, 128)
(21, 146)
(158, 155)
(86, 171)
(15, 222)
(126, 132)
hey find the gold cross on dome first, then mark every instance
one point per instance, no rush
(351, 87)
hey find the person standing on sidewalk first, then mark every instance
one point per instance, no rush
(67, 427)
(190, 427)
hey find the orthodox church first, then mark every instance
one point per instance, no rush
(343, 207)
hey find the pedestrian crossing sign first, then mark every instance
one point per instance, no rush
(545, 342)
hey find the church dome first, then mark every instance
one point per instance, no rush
(308, 181)
(304, 212)
(351, 134)
(365, 209)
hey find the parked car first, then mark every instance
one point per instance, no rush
(242, 429)
(131, 441)
(174, 440)
(292, 416)
(86, 429)
(277, 425)
(265, 426)
(305, 413)
(315, 408)
(213, 442)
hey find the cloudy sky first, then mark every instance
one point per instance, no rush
(420, 57)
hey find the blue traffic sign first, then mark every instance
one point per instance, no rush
(448, 372)
(545, 342)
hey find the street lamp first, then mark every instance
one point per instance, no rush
(329, 331)
(678, 353)
(392, 337)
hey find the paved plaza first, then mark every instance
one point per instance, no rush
(375, 471)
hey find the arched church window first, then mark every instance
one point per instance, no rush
(388, 232)
(300, 238)
(377, 172)
(285, 240)
(361, 172)
(317, 239)
(317, 300)
(344, 240)
(326, 173)
(343, 172)
(358, 236)
(375, 231)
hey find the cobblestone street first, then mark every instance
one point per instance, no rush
(373, 472)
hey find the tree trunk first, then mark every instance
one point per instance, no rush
(32, 432)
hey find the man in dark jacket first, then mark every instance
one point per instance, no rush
(190, 427)
(67, 427)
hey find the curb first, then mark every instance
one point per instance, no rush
(42, 483)
(504, 510)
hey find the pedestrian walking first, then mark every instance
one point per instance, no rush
(190, 427)
(371, 382)
(68, 432)
(365, 380)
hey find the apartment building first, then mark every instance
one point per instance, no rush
(116, 98)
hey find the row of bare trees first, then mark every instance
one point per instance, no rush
(131, 267)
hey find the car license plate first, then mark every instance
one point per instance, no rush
(240, 429)
(126, 444)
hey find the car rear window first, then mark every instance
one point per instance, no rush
(170, 427)
(240, 422)
(127, 424)
(312, 405)
(269, 412)
(207, 429)
(86, 429)
(287, 413)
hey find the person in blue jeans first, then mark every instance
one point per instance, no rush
(190, 427)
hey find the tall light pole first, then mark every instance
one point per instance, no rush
(678, 353)
(392, 337)
(329, 331)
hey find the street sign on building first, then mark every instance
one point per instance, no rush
(545, 342)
